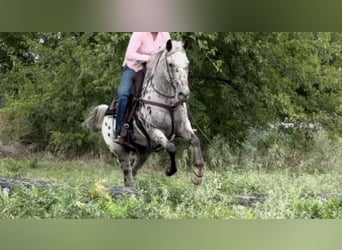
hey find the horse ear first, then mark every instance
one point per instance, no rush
(186, 44)
(169, 45)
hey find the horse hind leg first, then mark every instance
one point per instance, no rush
(140, 158)
(199, 162)
(125, 164)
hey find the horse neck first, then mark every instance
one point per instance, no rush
(157, 86)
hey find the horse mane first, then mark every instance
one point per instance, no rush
(151, 66)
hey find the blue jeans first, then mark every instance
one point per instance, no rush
(124, 90)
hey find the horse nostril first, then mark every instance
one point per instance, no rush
(182, 96)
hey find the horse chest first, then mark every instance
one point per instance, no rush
(157, 117)
(166, 120)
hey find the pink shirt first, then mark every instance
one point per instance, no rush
(141, 46)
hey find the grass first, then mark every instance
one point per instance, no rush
(80, 193)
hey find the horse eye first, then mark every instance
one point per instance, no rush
(171, 65)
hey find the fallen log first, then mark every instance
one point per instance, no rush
(248, 200)
(8, 184)
(115, 192)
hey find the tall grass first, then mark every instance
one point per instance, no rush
(79, 191)
(307, 150)
(294, 176)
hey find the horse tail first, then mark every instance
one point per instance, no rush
(95, 119)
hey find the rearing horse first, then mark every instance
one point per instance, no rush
(161, 115)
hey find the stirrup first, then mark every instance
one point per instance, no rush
(123, 142)
(119, 139)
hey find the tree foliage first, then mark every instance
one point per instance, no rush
(49, 81)
(251, 79)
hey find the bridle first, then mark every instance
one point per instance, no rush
(171, 77)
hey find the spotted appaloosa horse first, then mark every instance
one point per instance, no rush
(161, 115)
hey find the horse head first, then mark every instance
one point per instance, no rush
(177, 66)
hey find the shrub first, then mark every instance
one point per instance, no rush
(316, 208)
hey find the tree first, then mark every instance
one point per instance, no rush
(72, 71)
(244, 80)
(49, 81)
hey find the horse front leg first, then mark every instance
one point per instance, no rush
(173, 168)
(199, 162)
(159, 137)
(188, 134)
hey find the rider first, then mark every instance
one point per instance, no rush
(140, 47)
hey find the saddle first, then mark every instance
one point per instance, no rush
(112, 109)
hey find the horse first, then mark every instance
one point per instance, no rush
(162, 115)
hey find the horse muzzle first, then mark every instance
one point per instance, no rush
(183, 96)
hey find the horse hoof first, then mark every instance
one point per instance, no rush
(196, 180)
(170, 171)
(129, 184)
